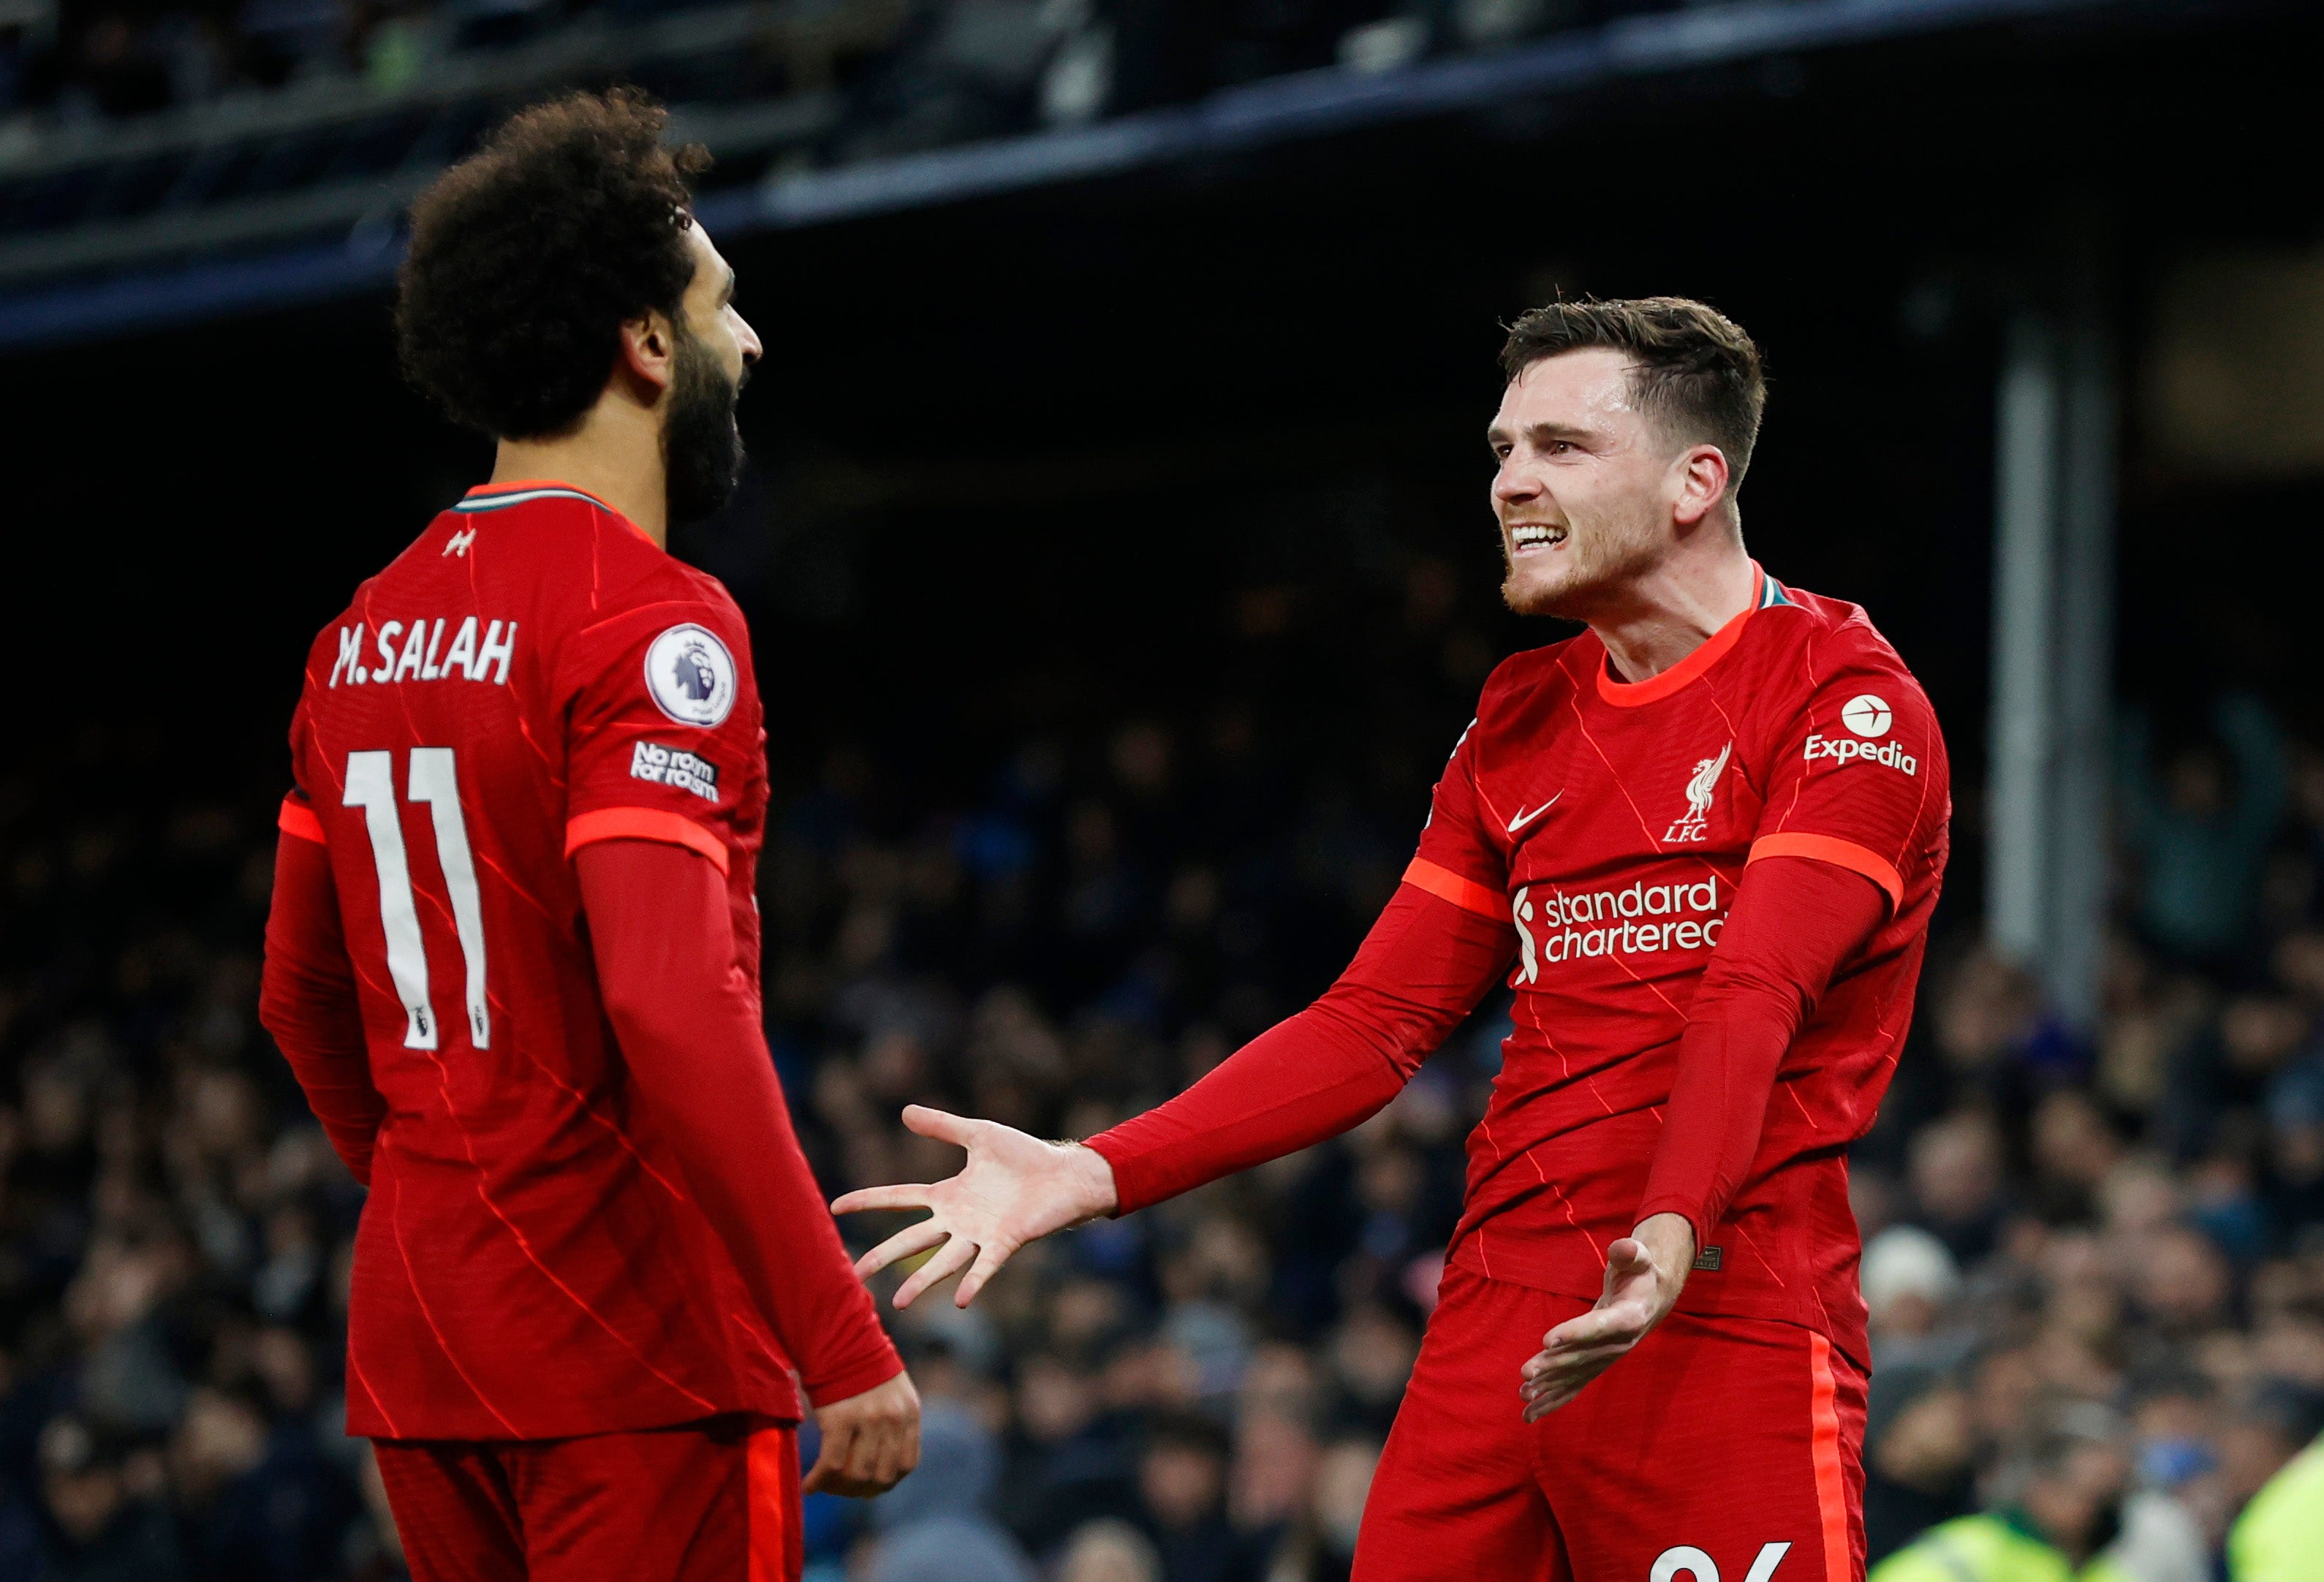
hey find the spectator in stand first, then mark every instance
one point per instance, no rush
(2266, 1439)
(1108, 1550)
(2280, 1536)
(2295, 1117)
(1920, 1456)
(936, 1525)
(258, 1503)
(102, 1528)
(2058, 1508)
(1182, 1483)
(2200, 826)
(1910, 1280)
(1959, 1186)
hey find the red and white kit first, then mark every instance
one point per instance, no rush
(1709, 891)
(532, 1270)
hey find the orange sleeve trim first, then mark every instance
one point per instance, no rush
(1839, 853)
(298, 819)
(1464, 893)
(643, 823)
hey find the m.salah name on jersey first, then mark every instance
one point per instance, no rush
(413, 653)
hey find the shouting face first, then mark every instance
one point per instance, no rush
(1587, 485)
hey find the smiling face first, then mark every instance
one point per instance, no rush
(1587, 485)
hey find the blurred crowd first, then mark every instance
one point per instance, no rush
(2120, 1229)
(2116, 1238)
(84, 60)
(946, 69)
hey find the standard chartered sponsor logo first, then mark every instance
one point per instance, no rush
(1643, 919)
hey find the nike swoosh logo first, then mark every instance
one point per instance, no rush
(1524, 819)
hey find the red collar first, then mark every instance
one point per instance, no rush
(1630, 694)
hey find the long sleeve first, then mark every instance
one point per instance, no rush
(307, 1001)
(1422, 969)
(1794, 921)
(687, 1023)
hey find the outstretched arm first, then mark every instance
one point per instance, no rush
(1794, 922)
(1422, 969)
(689, 1027)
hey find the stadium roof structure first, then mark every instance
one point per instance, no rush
(276, 199)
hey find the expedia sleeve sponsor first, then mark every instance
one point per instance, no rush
(657, 765)
(1868, 719)
(1844, 750)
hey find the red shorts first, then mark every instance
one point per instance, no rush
(716, 1501)
(1722, 1449)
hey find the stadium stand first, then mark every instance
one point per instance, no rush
(369, 108)
(134, 138)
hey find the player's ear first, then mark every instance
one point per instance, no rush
(650, 350)
(1702, 483)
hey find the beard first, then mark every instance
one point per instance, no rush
(701, 447)
(1597, 557)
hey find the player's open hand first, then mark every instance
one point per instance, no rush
(1643, 1274)
(1014, 1188)
(869, 1441)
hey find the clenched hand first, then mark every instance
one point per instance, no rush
(1014, 1188)
(869, 1441)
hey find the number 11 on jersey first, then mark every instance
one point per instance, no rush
(435, 780)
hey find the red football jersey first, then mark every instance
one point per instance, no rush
(1612, 821)
(532, 674)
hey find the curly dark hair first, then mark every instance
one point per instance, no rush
(1693, 368)
(528, 257)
